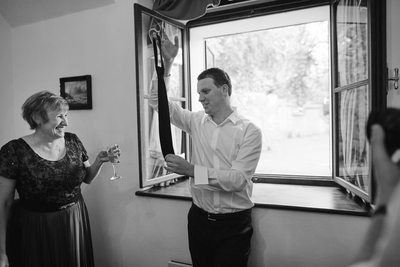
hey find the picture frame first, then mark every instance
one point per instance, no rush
(77, 90)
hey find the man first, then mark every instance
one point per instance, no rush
(382, 242)
(225, 151)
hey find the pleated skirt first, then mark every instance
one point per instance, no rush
(50, 239)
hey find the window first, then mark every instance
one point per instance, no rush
(358, 88)
(352, 94)
(151, 158)
(302, 71)
(283, 88)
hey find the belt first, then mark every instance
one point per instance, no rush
(38, 206)
(221, 216)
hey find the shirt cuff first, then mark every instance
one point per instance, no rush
(200, 175)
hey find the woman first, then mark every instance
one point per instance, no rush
(49, 225)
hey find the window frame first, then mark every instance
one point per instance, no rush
(205, 32)
(377, 71)
(139, 12)
(376, 82)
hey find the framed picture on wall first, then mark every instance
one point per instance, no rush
(77, 91)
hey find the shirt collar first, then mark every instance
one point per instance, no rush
(234, 117)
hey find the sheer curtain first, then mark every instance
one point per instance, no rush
(354, 141)
(353, 99)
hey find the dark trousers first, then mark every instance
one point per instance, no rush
(219, 240)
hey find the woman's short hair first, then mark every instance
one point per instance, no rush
(39, 104)
(219, 76)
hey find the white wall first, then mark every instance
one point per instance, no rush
(6, 93)
(141, 231)
(393, 47)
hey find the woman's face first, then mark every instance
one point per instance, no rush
(55, 126)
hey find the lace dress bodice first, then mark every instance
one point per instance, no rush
(43, 181)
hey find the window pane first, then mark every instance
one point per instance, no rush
(154, 158)
(352, 41)
(283, 88)
(353, 149)
(176, 78)
(152, 161)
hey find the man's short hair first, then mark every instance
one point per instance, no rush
(219, 76)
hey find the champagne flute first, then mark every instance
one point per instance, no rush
(113, 154)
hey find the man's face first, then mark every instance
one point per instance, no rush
(210, 96)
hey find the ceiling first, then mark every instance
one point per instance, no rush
(22, 12)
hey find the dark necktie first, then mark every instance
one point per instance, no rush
(163, 110)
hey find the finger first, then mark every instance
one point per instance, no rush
(115, 149)
(168, 168)
(169, 157)
(164, 37)
(170, 162)
(396, 156)
(176, 41)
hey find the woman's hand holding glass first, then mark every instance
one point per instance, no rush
(113, 153)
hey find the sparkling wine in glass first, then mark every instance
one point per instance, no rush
(113, 153)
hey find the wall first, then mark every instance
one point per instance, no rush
(393, 44)
(6, 93)
(140, 231)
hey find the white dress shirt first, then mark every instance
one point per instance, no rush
(225, 157)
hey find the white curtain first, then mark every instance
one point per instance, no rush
(353, 105)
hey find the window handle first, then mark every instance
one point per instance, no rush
(395, 78)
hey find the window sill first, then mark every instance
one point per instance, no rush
(310, 198)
